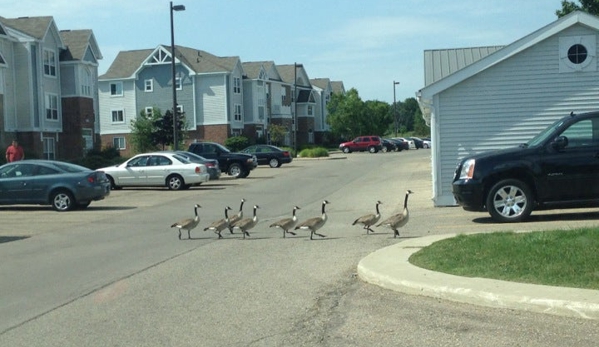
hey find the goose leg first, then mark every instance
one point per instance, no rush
(231, 230)
(311, 234)
(246, 233)
(189, 234)
(395, 233)
(284, 232)
(179, 234)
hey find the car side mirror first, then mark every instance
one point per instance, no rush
(560, 143)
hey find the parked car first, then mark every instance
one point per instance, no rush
(400, 145)
(269, 155)
(411, 144)
(238, 165)
(426, 142)
(388, 146)
(211, 164)
(558, 168)
(371, 144)
(157, 169)
(62, 185)
(418, 143)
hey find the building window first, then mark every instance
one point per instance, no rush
(261, 112)
(149, 85)
(49, 148)
(118, 143)
(149, 111)
(88, 138)
(116, 89)
(283, 95)
(118, 116)
(180, 109)
(237, 87)
(238, 112)
(310, 110)
(86, 83)
(577, 54)
(49, 63)
(178, 84)
(51, 107)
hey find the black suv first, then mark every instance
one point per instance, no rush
(237, 165)
(558, 168)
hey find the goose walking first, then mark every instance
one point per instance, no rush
(234, 219)
(370, 219)
(246, 224)
(189, 223)
(400, 219)
(313, 224)
(220, 225)
(287, 223)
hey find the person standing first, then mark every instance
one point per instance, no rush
(14, 152)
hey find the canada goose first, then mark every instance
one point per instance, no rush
(246, 224)
(369, 219)
(189, 223)
(400, 219)
(315, 223)
(220, 224)
(287, 223)
(237, 217)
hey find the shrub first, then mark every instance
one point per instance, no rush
(317, 152)
(237, 143)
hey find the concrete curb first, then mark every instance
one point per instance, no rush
(389, 268)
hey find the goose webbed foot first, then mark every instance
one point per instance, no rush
(395, 233)
(292, 233)
(321, 235)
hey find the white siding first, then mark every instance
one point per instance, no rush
(212, 100)
(507, 104)
(109, 103)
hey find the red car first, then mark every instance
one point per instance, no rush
(371, 144)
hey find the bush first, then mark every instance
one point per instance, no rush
(317, 152)
(237, 143)
(95, 159)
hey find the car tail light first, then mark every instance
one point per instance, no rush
(285, 154)
(198, 169)
(210, 165)
(91, 178)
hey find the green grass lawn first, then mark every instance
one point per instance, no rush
(565, 258)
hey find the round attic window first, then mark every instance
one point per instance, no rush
(577, 54)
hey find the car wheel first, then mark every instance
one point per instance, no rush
(510, 201)
(372, 149)
(235, 170)
(274, 162)
(175, 182)
(384, 149)
(346, 150)
(112, 185)
(425, 146)
(62, 200)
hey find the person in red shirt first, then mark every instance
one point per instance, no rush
(14, 152)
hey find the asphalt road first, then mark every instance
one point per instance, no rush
(116, 274)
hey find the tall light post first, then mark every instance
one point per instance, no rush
(395, 108)
(175, 139)
(295, 125)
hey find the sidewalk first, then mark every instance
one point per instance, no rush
(389, 267)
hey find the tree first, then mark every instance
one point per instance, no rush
(277, 133)
(407, 111)
(377, 116)
(589, 6)
(345, 114)
(142, 129)
(163, 129)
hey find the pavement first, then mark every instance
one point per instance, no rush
(389, 267)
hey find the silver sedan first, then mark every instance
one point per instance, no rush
(158, 169)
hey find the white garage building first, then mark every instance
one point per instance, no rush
(487, 98)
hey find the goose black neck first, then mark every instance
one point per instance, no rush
(226, 213)
(405, 203)
(377, 209)
(294, 212)
(241, 206)
(195, 210)
(254, 211)
(323, 205)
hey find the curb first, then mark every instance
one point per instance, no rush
(389, 268)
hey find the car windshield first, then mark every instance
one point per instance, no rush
(543, 135)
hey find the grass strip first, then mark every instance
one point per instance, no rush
(565, 258)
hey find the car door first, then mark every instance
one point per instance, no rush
(15, 183)
(159, 167)
(572, 172)
(134, 172)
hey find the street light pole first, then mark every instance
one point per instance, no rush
(395, 108)
(175, 113)
(295, 124)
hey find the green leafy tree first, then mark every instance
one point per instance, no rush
(346, 112)
(277, 133)
(142, 129)
(589, 6)
(377, 117)
(407, 111)
(163, 129)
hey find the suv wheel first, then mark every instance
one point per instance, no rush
(372, 149)
(510, 201)
(346, 150)
(235, 170)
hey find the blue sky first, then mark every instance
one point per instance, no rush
(365, 44)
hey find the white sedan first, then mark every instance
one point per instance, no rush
(157, 169)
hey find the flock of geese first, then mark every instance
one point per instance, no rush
(244, 225)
